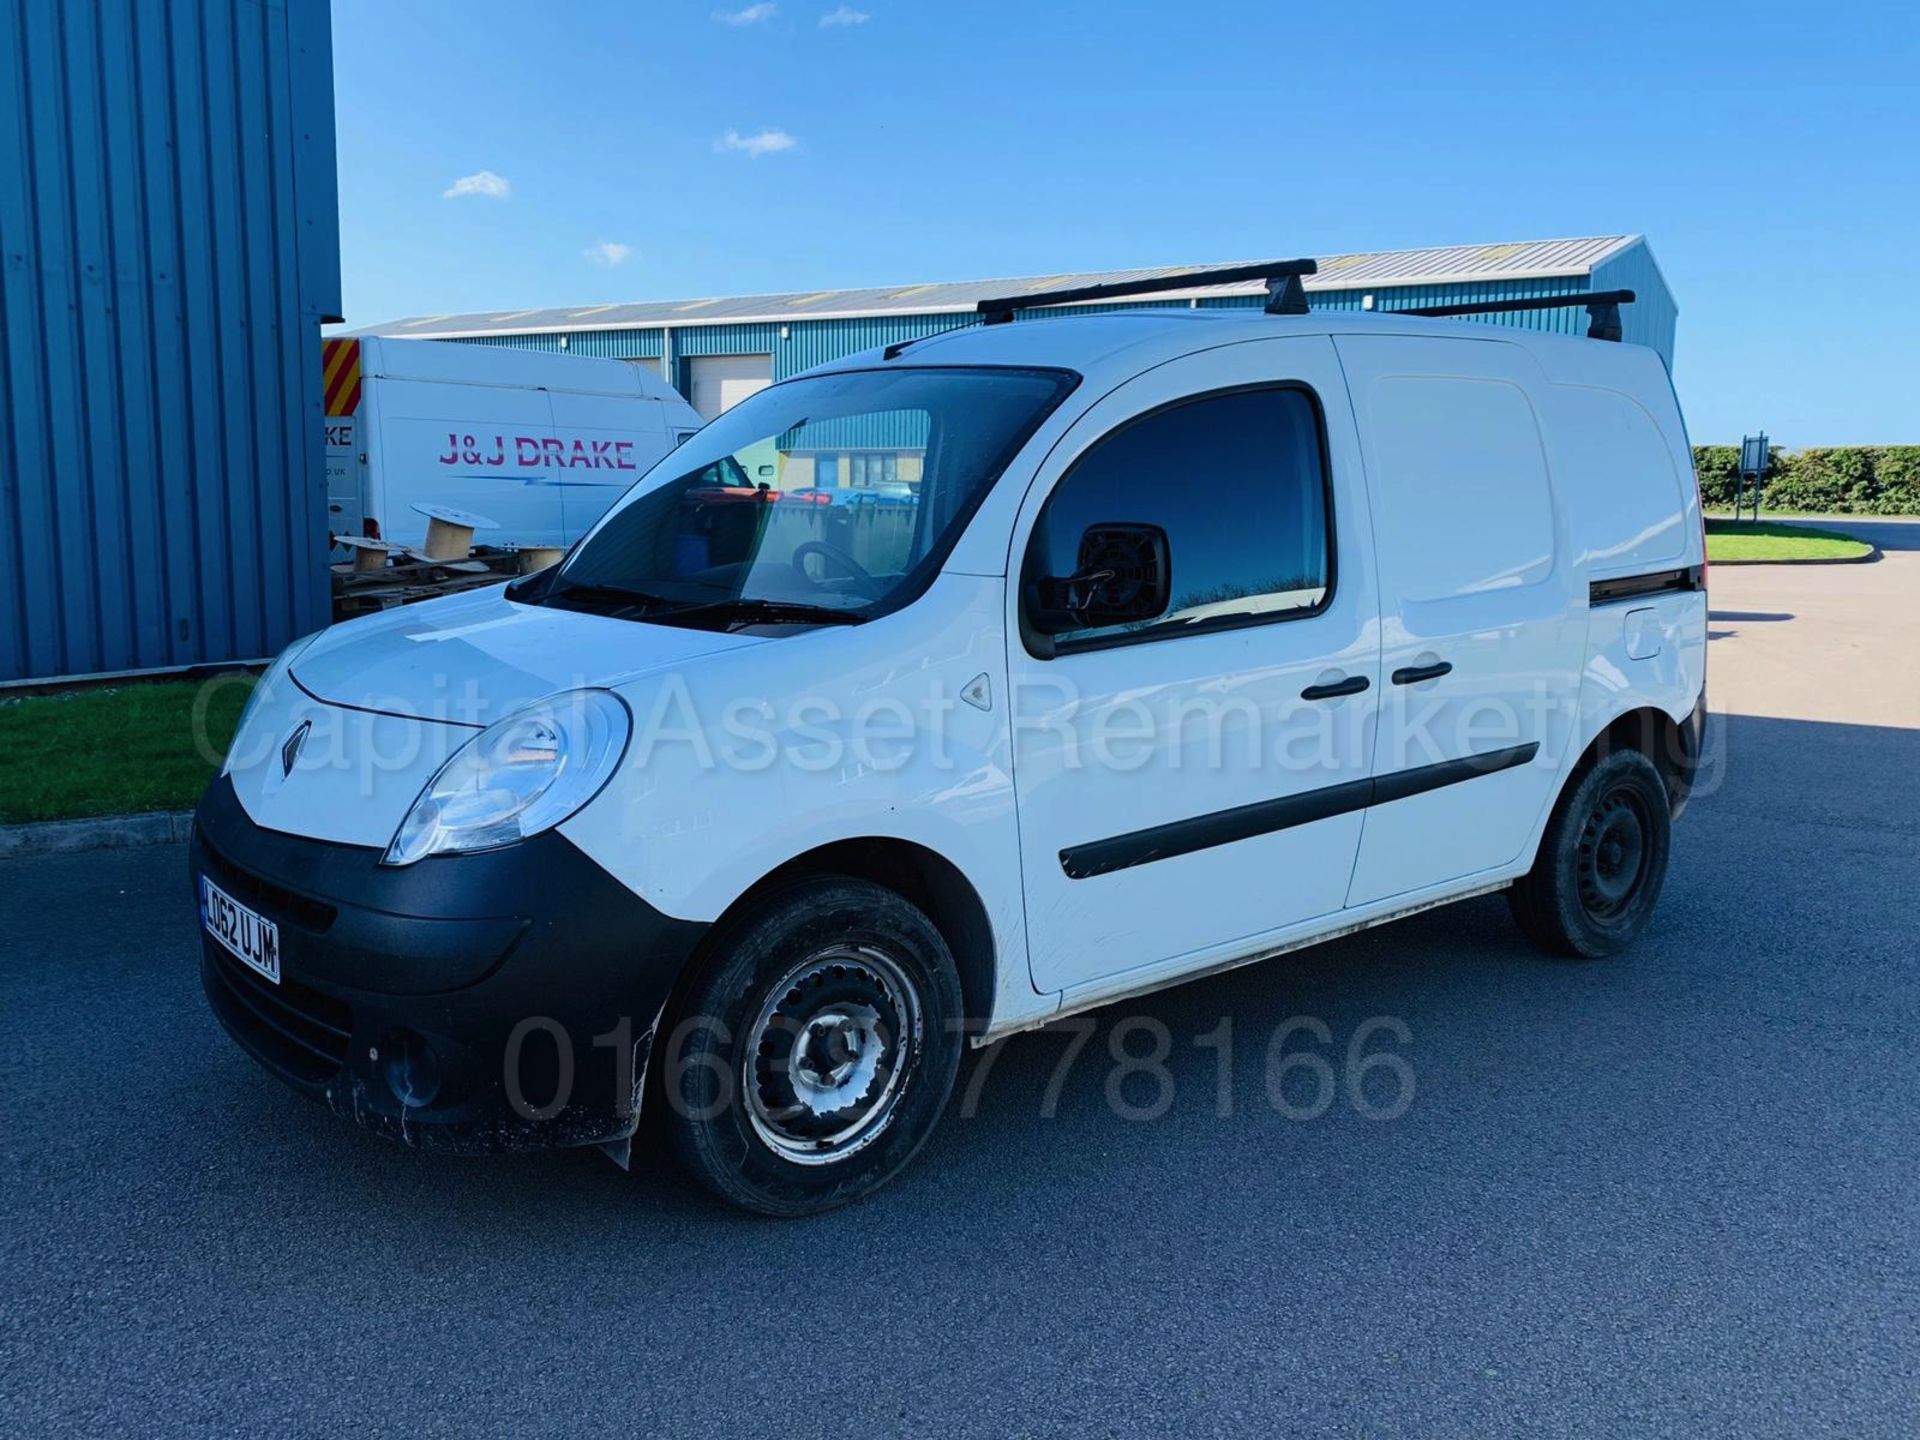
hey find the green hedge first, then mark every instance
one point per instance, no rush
(1848, 480)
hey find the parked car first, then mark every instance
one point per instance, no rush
(883, 493)
(538, 443)
(1219, 632)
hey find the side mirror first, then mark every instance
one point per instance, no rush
(1124, 576)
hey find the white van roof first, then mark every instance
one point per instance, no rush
(452, 363)
(1133, 340)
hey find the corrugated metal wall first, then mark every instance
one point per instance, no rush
(1649, 321)
(169, 244)
(1653, 317)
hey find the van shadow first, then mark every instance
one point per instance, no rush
(1737, 616)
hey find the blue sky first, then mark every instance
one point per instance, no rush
(1770, 152)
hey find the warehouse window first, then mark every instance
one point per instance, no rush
(876, 469)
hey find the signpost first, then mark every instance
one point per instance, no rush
(1753, 469)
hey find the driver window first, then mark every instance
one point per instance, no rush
(1238, 483)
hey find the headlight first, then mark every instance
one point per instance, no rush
(275, 675)
(518, 777)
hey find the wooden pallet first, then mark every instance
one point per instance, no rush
(367, 591)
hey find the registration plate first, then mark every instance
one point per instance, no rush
(253, 939)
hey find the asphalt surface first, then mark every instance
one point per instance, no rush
(1670, 1193)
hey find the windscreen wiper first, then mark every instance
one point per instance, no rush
(618, 596)
(744, 611)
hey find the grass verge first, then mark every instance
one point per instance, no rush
(1736, 540)
(120, 751)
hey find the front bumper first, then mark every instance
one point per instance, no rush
(479, 1003)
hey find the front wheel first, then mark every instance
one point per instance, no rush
(1602, 861)
(814, 1051)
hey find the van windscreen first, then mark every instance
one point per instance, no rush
(821, 500)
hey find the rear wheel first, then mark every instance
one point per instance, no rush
(815, 1050)
(1602, 860)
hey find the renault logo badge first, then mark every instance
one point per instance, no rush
(290, 752)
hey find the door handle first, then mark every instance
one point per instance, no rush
(1414, 674)
(1352, 685)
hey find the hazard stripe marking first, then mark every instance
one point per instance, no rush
(340, 373)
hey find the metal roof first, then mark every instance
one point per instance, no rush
(1441, 265)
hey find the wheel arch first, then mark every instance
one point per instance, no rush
(1550, 898)
(1672, 745)
(922, 875)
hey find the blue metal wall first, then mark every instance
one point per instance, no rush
(1652, 318)
(169, 244)
(1649, 321)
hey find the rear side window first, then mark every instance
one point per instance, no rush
(1238, 483)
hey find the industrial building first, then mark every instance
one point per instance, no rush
(171, 246)
(718, 351)
(170, 225)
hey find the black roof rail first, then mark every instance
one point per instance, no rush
(1285, 295)
(1603, 309)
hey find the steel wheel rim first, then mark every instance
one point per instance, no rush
(829, 1056)
(1615, 852)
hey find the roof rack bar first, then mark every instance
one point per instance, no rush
(1285, 295)
(1603, 309)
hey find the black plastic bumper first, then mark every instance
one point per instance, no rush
(478, 1003)
(1686, 767)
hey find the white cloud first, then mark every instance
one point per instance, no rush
(752, 15)
(766, 142)
(481, 182)
(609, 253)
(845, 15)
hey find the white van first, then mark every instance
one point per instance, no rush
(1197, 636)
(539, 443)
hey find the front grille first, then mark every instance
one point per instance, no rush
(261, 894)
(289, 1026)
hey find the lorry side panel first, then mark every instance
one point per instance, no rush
(475, 428)
(484, 449)
(621, 440)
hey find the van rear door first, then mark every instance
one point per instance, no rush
(1483, 622)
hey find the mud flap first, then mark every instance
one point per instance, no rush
(618, 1151)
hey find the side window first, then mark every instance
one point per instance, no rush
(1237, 481)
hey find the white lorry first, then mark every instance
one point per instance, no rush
(541, 444)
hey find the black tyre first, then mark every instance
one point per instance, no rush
(810, 1056)
(1602, 860)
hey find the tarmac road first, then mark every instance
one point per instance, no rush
(1675, 1192)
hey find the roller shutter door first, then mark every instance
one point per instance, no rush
(720, 382)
